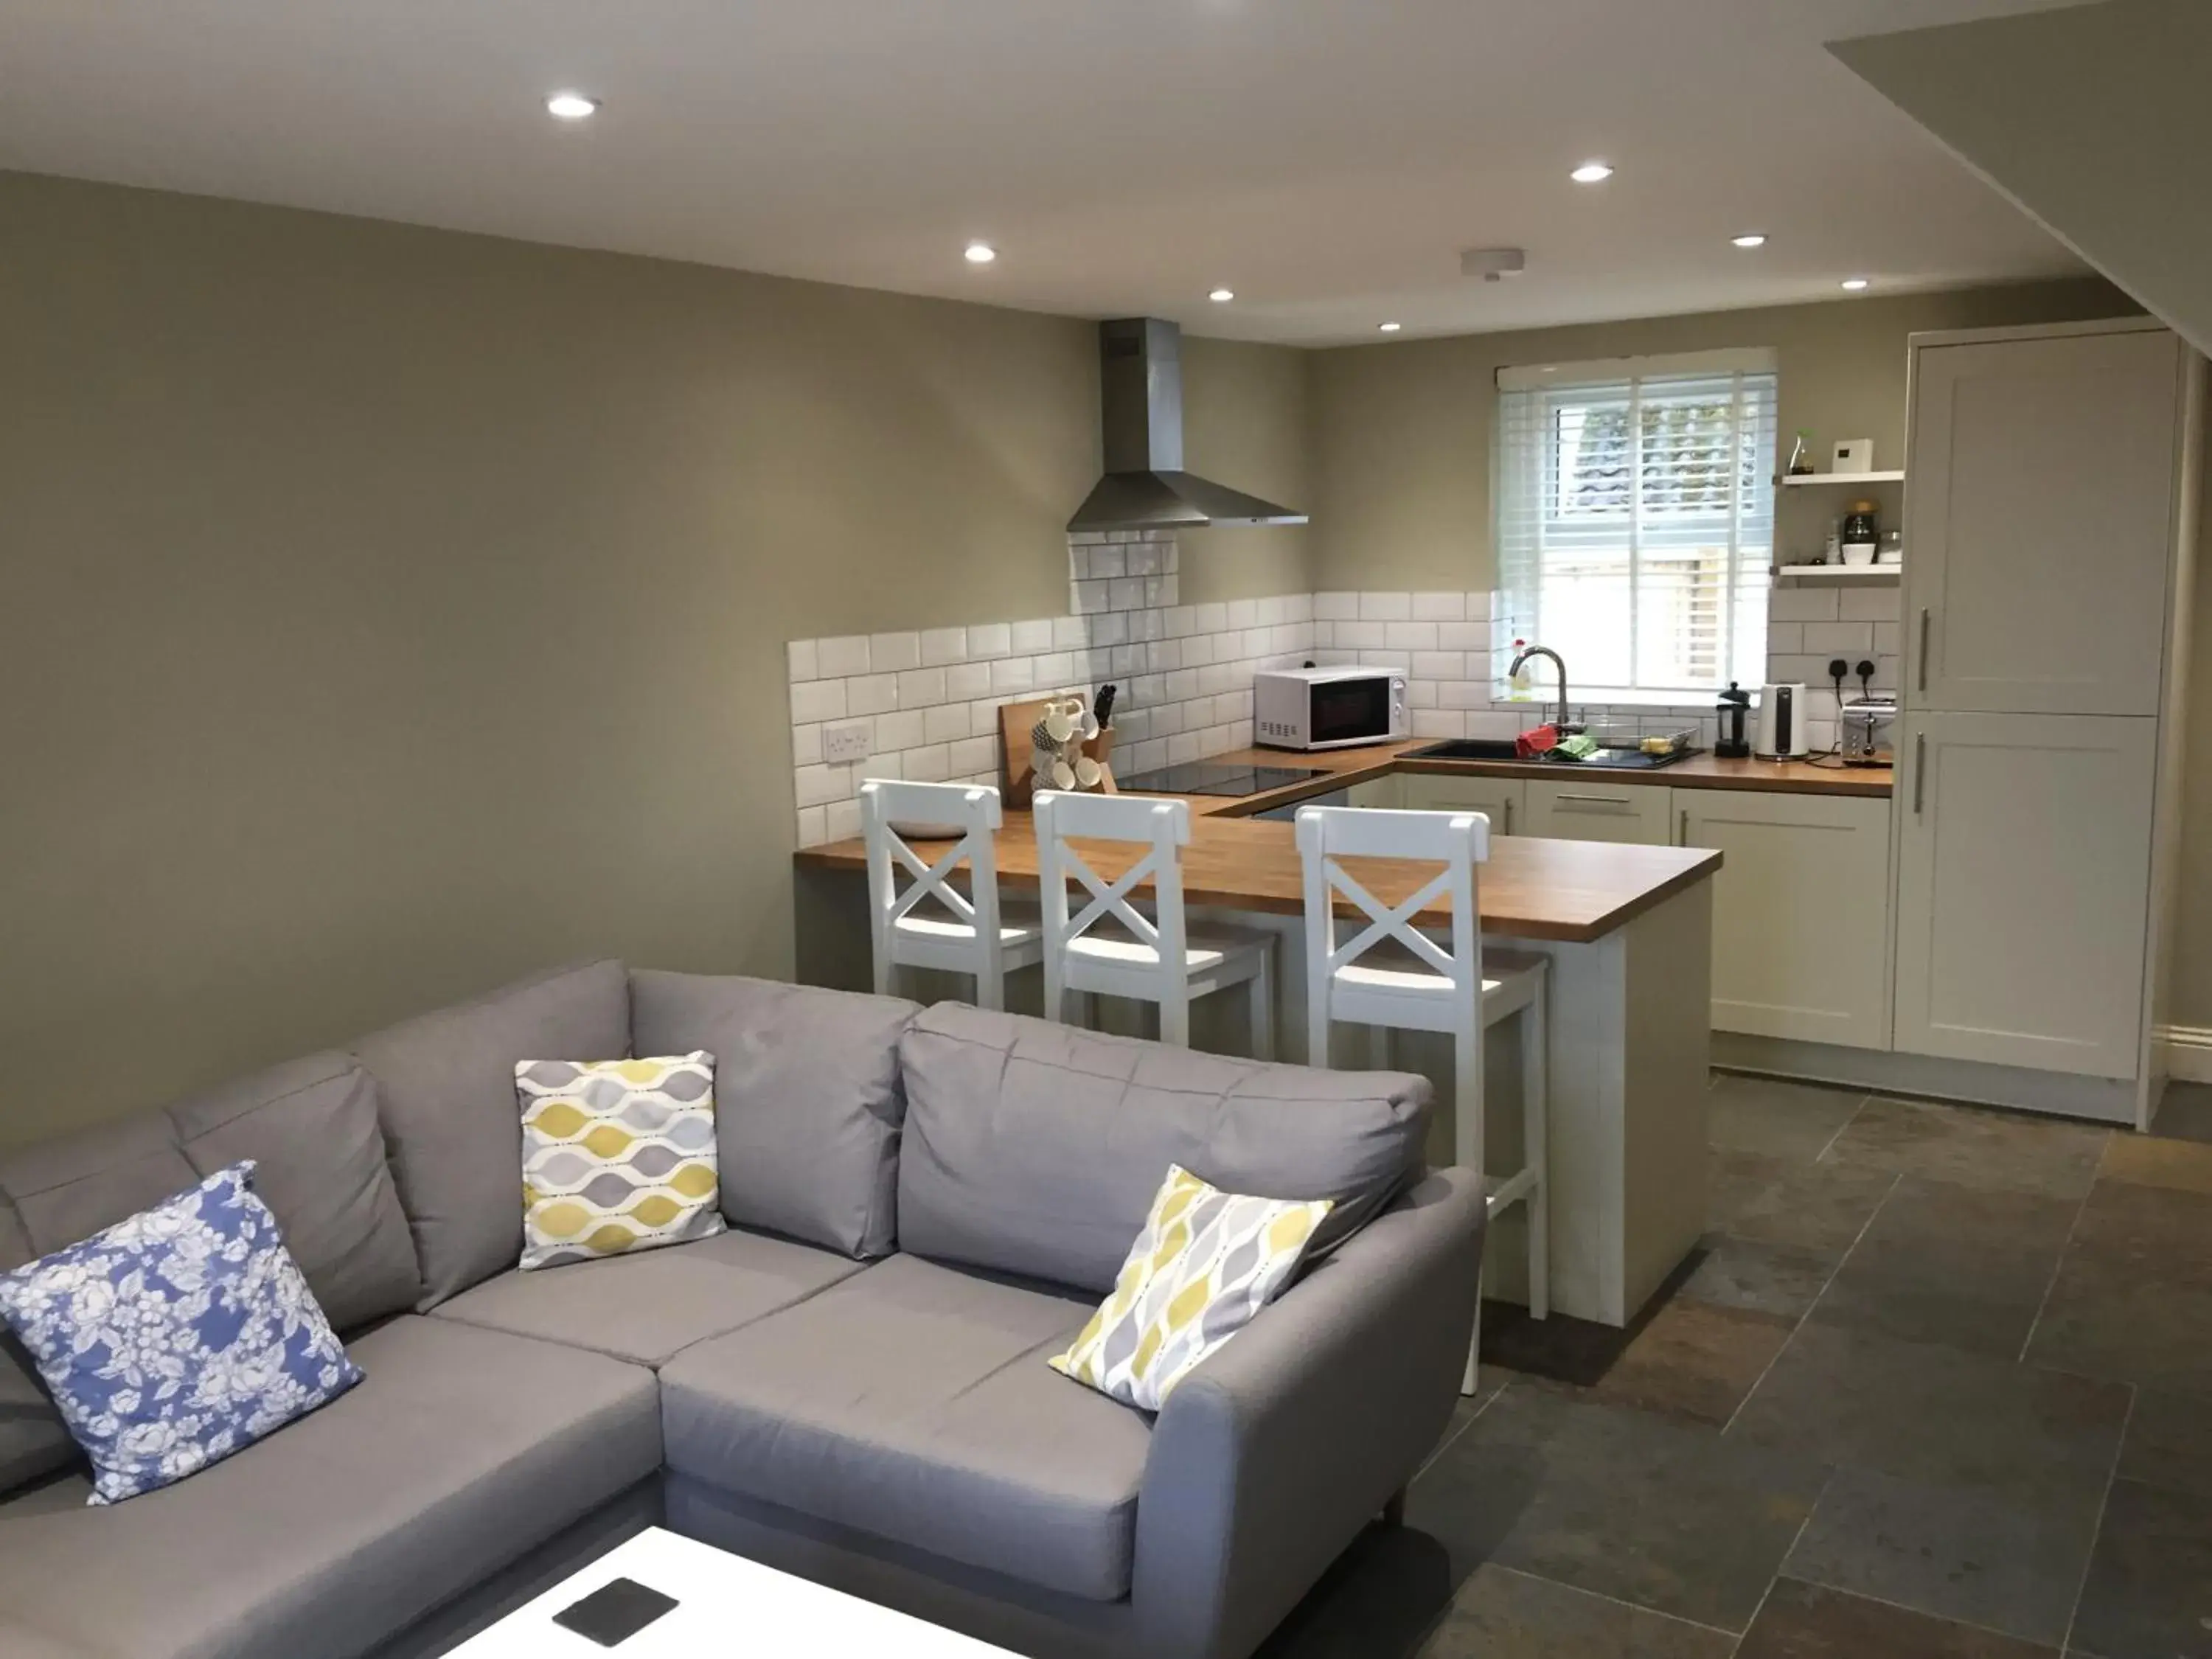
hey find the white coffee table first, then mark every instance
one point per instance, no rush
(727, 1605)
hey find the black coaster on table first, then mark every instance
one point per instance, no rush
(614, 1613)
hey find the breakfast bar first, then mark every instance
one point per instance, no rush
(1628, 931)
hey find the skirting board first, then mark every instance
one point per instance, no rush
(2188, 1053)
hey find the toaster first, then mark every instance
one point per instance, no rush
(1864, 731)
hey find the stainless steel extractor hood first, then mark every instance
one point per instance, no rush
(1140, 376)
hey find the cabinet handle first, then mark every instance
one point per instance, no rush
(1509, 815)
(1924, 647)
(1596, 800)
(1685, 839)
(1919, 773)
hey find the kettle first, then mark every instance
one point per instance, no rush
(1731, 741)
(1781, 723)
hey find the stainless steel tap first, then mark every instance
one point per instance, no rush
(1562, 725)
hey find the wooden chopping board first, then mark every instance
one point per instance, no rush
(1016, 774)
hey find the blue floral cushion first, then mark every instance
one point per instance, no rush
(177, 1337)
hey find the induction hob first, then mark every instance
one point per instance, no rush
(1216, 778)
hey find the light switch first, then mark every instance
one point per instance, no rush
(846, 743)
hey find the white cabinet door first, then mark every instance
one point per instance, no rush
(1387, 791)
(1588, 810)
(1503, 800)
(1800, 912)
(2023, 879)
(2040, 522)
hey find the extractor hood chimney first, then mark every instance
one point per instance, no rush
(1140, 376)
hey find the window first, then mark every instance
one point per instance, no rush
(1636, 519)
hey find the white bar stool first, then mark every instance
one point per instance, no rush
(968, 934)
(1409, 982)
(1110, 948)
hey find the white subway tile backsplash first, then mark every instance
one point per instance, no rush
(800, 657)
(967, 679)
(1439, 607)
(1846, 637)
(1870, 604)
(1785, 638)
(1386, 607)
(1243, 613)
(989, 640)
(1889, 640)
(889, 765)
(1421, 694)
(1361, 636)
(943, 722)
(841, 657)
(1410, 636)
(1439, 723)
(1031, 637)
(817, 785)
(817, 699)
(813, 826)
(1336, 607)
(1212, 617)
(1463, 636)
(1054, 669)
(1463, 694)
(890, 653)
(1126, 593)
(901, 730)
(1439, 664)
(1494, 723)
(1801, 602)
(806, 746)
(973, 755)
(918, 687)
(932, 763)
(870, 694)
(842, 820)
(1180, 620)
(1070, 634)
(1013, 674)
(941, 646)
(1110, 562)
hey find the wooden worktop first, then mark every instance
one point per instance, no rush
(1530, 889)
(1349, 766)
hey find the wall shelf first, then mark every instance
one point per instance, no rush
(1838, 572)
(1802, 480)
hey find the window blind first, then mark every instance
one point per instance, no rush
(1635, 505)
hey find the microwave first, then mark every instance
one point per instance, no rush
(1327, 707)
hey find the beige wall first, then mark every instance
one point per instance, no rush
(1248, 424)
(1402, 430)
(388, 611)
(2192, 959)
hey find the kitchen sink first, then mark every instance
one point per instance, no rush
(1502, 749)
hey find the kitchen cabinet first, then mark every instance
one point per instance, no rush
(1385, 792)
(2023, 881)
(1584, 809)
(1503, 800)
(2040, 527)
(1801, 912)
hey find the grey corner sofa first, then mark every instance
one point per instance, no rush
(849, 1384)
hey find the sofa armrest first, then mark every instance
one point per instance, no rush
(1269, 1458)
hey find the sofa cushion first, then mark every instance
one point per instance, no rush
(446, 1081)
(1036, 1149)
(912, 1401)
(806, 1099)
(177, 1337)
(648, 1308)
(461, 1450)
(310, 1125)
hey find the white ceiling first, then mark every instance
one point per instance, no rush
(1327, 159)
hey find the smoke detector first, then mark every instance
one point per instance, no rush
(1493, 264)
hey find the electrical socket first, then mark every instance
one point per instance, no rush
(852, 741)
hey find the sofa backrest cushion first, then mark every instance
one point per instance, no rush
(446, 1084)
(311, 1128)
(807, 1102)
(1037, 1149)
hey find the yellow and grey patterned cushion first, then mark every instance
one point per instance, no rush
(1207, 1262)
(616, 1155)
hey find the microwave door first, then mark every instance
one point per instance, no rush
(1351, 711)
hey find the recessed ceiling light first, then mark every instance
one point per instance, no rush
(1750, 239)
(981, 253)
(1855, 284)
(1222, 296)
(1592, 173)
(571, 105)
(1391, 328)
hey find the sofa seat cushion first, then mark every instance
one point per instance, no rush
(913, 1401)
(461, 1450)
(648, 1308)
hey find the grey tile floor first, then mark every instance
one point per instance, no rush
(1938, 1386)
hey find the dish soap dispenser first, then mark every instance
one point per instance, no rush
(1520, 683)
